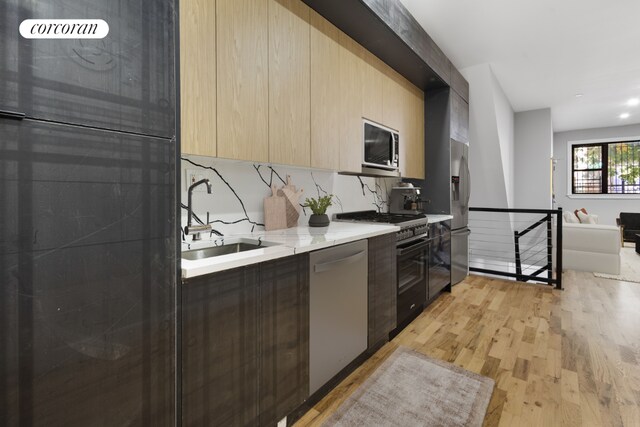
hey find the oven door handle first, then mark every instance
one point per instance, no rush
(414, 247)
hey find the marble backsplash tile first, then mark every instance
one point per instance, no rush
(238, 189)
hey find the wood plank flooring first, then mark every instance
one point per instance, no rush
(559, 358)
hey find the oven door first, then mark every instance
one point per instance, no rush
(413, 259)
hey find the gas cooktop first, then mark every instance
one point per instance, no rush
(382, 217)
(412, 227)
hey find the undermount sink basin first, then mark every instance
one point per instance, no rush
(226, 249)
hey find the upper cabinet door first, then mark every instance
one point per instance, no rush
(372, 86)
(459, 118)
(351, 85)
(242, 79)
(403, 110)
(414, 133)
(325, 94)
(289, 98)
(122, 82)
(198, 77)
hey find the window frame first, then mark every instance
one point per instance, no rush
(605, 154)
(604, 159)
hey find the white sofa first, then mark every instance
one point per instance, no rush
(590, 247)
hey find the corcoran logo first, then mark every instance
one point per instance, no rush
(64, 29)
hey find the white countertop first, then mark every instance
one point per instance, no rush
(289, 241)
(438, 218)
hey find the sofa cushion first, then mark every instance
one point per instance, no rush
(591, 238)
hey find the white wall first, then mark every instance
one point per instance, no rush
(506, 128)
(491, 139)
(491, 166)
(532, 161)
(607, 209)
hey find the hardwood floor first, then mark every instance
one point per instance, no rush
(559, 358)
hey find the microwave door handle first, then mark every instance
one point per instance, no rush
(393, 149)
(396, 154)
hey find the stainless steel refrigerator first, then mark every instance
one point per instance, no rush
(460, 194)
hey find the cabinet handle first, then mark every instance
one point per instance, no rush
(319, 268)
(16, 115)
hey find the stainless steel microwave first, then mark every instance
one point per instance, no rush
(381, 147)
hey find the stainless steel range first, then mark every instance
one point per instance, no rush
(412, 257)
(412, 226)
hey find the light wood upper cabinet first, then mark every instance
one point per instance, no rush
(414, 132)
(273, 81)
(242, 79)
(289, 80)
(198, 77)
(371, 85)
(350, 76)
(325, 93)
(393, 98)
(403, 110)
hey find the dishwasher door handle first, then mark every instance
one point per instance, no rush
(319, 268)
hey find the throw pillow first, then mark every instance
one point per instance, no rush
(583, 210)
(586, 218)
(570, 218)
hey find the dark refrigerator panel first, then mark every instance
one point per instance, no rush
(459, 255)
(87, 265)
(439, 257)
(122, 82)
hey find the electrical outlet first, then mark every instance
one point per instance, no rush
(193, 176)
(282, 422)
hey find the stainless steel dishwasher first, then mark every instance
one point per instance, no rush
(338, 310)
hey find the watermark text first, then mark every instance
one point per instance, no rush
(64, 29)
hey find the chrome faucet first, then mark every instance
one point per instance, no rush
(190, 229)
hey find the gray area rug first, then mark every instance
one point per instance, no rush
(629, 266)
(411, 389)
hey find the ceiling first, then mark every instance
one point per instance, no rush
(544, 52)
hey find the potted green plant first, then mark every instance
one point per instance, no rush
(319, 207)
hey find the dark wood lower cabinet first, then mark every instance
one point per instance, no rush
(220, 349)
(382, 288)
(245, 344)
(284, 337)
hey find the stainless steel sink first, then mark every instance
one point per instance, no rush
(229, 248)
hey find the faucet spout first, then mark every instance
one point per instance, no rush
(190, 229)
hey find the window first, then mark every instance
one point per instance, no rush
(606, 168)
